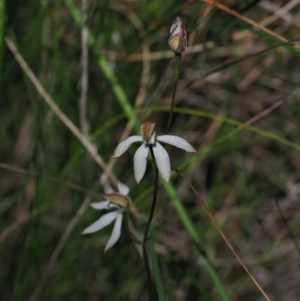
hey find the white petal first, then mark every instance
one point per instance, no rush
(176, 141)
(162, 161)
(124, 145)
(100, 205)
(115, 233)
(123, 189)
(102, 222)
(140, 162)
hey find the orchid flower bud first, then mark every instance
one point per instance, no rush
(179, 37)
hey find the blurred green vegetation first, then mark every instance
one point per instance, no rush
(247, 169)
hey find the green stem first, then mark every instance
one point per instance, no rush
(149, 223)
(176, 77)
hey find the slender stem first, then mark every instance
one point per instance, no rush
(149, 223)
(176, 77)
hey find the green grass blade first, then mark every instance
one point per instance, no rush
(156, 272)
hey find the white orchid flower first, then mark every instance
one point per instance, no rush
(117, 202)
(161, 156)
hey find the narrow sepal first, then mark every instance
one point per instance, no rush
(115, 235)
(102, 222)
(100, 205)
(124, 145)
(176, 141)
(140, 162)
(162, 161)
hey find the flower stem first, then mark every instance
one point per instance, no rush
(176, 77)
(149, 223)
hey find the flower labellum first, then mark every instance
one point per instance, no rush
(179, 37)
(150, 139)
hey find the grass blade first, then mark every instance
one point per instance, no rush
(156, 271)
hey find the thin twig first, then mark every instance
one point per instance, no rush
(84, 69)
(60, 114)
(223, 235)
(228, 64)
(278, 12)
(247, 20)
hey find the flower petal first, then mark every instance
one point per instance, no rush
(124, 145)
(162, 161)
(115, 233)
(102, 222)
(176, 141)
(100, 205)
(123, 189)
(140, 162)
